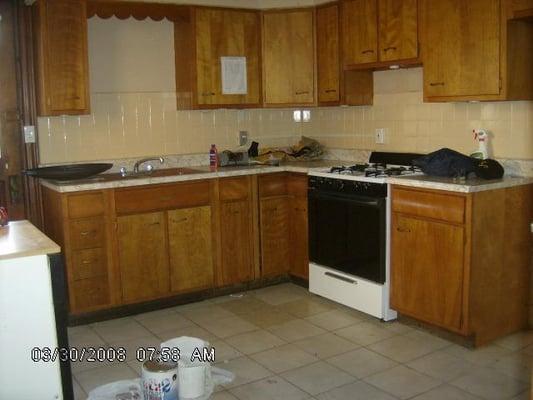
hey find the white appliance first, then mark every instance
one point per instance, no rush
(27, 316)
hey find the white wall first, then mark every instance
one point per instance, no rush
(128, 56)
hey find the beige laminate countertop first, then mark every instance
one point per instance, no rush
(470, 185)
(202, 172)
(22, 239)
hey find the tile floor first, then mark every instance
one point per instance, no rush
(284, 343)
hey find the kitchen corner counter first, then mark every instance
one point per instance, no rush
(22, 239)
(200, 172)
(470, 185)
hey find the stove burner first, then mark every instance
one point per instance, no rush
(376, 170)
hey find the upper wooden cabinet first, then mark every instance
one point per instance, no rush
(202, 37)
(492, 63)
(359, 32)
(398, 30)
(377, 33)
(328, 52)
(288, 57)
(61, 60)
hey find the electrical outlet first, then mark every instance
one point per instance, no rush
(29, 134)
(243, 138)
(380, 135)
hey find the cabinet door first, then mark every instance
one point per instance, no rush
(288, 57)
(427, 269)
(398, 29)
(327, 36)
(236, 242)
(191, 256)
(461, 42)
(62, 64)
(143, 256)
(227, 33)
(359, 21)
(299, 238)
(274, 220)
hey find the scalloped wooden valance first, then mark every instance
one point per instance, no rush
(139, 10)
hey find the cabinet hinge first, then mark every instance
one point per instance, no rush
(501, 83)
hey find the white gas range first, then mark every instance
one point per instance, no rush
(349, 232)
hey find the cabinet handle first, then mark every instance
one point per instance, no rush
(403, 230)
(436, 84)
(235, 212)
(154, 223)
(299, 209)
(331, 90)
(367, 51)
(389, 48)
(208, 94)
(85, 233)
(340, 278)
(306, 92)
(87, 262)
(177, 221)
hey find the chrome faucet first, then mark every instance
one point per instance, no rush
(143, 160)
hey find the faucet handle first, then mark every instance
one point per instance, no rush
(123, 171)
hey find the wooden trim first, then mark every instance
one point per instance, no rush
(139, 10)
(256, 232)
(384, 65)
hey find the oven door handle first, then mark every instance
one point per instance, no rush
(352, 199)
(341, 278)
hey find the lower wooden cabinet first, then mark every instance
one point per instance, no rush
(299, 247)
(136, 244)
(461, 261)
(428, 277)
(298, 235)
(236, 242)
(190, 249)
(143, 256)
(274, 217)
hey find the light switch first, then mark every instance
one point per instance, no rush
(29, 134)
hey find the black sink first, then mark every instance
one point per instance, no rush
(68, 172)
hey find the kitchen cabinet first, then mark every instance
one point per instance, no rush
(398, 29)
(143, 256)
(289, 57)
(274, 224)
(204, 35)
(61, 62)
(80, 224)
(359, 32)
(328, 53)
(298, 228)
(493, 63)
(236, 231)
(451, 264)
(378, 33)
(163, 239)
(190, 249)
(435, 295)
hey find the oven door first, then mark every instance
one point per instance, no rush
(347, 233)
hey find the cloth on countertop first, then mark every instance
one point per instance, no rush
(306, 149)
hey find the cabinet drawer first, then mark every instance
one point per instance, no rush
(441, 206)
(297, 185)
(89, 293)
(89, 263)
(154, 198)
(234, 188)
(87, 233)
(272, 185)
(86, 205)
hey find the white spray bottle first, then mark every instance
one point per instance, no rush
(482, 138)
